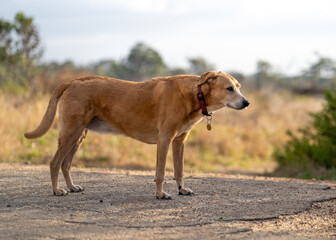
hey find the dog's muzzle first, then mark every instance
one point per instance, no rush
(239, 105)
(244, 104)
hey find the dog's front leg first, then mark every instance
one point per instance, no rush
(162, 152)
(178, 149)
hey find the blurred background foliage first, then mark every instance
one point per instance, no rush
(312, 152)
(20, 51)
(251, 141)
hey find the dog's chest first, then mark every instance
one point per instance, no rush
(188, 125)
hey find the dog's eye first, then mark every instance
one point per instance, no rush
(230, 89)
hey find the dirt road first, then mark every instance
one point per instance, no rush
(120, 204)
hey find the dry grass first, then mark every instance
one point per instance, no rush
(240, 140)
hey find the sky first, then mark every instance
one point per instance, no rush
(231, 34)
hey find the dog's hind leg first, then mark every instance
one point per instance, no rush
(66, 165)
(66, 141)
(178, 149)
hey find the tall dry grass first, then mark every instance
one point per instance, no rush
(240, 140)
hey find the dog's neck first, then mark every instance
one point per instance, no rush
(189, 91)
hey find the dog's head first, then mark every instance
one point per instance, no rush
(224, 90)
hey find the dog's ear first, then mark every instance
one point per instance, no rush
(206, 76)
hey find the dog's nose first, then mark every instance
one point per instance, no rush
(246, 103)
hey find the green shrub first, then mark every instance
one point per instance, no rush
(313, 152)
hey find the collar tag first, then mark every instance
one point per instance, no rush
(209, 118)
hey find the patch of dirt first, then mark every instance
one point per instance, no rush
(120, 204)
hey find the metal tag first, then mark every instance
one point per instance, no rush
(209, 118)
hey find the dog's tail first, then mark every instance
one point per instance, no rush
(49, 115)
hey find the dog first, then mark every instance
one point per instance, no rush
(159, 111)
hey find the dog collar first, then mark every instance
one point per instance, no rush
(201, 99)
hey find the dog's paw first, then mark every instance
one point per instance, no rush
(60, 192)
(76, 188)
(186, 191)
(163, 195)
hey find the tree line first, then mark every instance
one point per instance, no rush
(21, 51)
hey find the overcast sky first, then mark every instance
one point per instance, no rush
(231, 34)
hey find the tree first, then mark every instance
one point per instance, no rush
(177, 71)
(20, 49)
(102, 67)
(321, 73)
(144, 62)
(263, 73)
(238, 76)
(28, 42)
(199, 65)
(111, 68)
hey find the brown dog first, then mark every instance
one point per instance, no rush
(159, 111)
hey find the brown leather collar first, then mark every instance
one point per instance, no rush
(201, 99)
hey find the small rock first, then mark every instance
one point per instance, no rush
(326, 188)
(8, 205)
(101, 200)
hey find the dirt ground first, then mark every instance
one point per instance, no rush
(120, 204)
